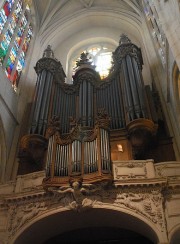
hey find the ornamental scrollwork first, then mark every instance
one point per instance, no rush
(19, 215)
(80, 197)
(128, 49)
(50, 64)
(148, 205)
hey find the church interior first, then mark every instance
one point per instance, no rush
(89, 121)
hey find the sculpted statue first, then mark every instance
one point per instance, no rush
(78, 192)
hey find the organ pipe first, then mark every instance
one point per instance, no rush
(80, 141)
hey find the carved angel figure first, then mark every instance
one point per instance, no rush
(78, 192)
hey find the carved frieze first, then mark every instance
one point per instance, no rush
(143, 201)
(19, 215)
(147, 204)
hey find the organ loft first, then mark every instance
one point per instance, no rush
(95, 158)
(89, 121)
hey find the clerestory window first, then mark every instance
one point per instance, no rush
(15, 36)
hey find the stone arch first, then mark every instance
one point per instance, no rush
(61, 220)
(3, 156)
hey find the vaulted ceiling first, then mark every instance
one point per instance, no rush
(69, 24)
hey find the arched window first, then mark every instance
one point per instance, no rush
(101, 57)
(15, 36)
(155, 29)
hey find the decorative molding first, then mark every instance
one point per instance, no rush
(168, 169)
(127, 48)
(52, 65)
(148, 205)
(130, 170)
(19, 215)
(145, 201)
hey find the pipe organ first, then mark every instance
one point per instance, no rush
(85, 151)
(79, 124)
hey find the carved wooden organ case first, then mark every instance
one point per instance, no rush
(75, 128)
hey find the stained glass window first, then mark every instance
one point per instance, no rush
(16, 33)
(5, 12)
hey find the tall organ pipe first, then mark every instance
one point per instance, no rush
(38, 102)
(128, 100)
(133, 87)
(45, 104)
(47, 69)
(140, 87)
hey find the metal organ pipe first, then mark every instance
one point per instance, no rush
(66, 157)
(38, 102)
(49, 155)
(62, 159)
(57, 159)
(121, 107)
(76, 156)
(105, 150)
(80, 101)
(85, 158)
(117, 104)
(84, 104)
(45, 104)
(140, 86)
(128, 100)
(133, 87)
(89, 104)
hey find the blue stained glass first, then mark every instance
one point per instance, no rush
(11, 27)
(14, 51)
(13, 73)
(10, 62)
(4, 13)
(4, 45)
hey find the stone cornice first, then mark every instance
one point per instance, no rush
(140, 185)
(142, 182)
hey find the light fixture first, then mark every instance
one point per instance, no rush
(120, 148)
